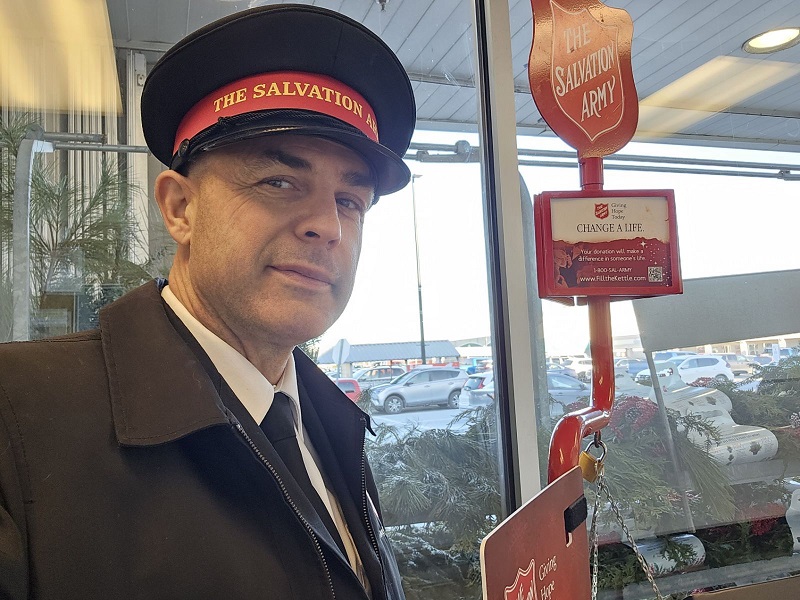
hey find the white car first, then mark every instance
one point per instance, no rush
(673, 355)
(664, 368)
(582, 368)
(697, 367)
(690, 369)
(478, 386)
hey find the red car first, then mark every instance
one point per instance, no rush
(350, 388)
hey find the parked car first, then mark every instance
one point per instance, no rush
(761, 361)
(698, 367)
(371, 376)
(560, 360)
(691, 369)
(478, 396)
(564, 390)
(476, 385)
(561, 370)
(664, 368)
(787, 352)
(582, 368)
(420, 387)
(672, 354)
(740, 365)
(350, 387)
(631, 365)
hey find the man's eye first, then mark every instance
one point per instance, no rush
(277, 183)
(351, 204)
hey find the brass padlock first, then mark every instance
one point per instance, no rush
(591, 465)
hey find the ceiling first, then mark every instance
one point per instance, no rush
(672, 40)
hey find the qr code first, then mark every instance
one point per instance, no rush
(655, 274)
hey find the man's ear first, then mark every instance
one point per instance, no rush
(175, 195)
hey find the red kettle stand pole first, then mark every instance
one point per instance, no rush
(565, 444)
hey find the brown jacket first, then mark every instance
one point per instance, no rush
(128, 469)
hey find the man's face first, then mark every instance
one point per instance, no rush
(276, 236)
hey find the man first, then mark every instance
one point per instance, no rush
(151, 458)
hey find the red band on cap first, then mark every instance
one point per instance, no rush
(280, 90)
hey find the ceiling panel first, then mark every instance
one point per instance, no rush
(462, 105)
(722, 36)
(407, 20)
(434, 40)
(437, 102)
(423, 91)
(526, 109)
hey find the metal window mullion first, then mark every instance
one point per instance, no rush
(509, 280)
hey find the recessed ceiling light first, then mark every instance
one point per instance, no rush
(772, 41)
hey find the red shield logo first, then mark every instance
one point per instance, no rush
(586, 75)
(601, 210)
(523, 588)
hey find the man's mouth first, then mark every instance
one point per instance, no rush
(308, 275)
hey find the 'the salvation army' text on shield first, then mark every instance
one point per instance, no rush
(580, 74)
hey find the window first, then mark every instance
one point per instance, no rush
(421, 378)
(727, 147)
(420, 245)
(735, 528)
(441, 375)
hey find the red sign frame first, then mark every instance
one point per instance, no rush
(610, 259)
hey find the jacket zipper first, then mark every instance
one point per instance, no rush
(364, 500)
(286, 495)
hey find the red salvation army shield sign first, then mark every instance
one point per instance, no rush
(580, 74)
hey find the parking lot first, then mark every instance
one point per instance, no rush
(434, 417)
(425, 418)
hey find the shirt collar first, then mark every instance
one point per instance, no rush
(252, 389)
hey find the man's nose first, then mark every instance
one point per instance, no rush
(322, 222)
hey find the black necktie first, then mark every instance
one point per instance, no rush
(279, 428)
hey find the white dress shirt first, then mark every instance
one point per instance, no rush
(256, 394)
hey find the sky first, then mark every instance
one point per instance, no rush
(726, 225)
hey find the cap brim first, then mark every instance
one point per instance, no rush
(391, 173)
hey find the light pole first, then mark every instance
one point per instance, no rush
(414, 178)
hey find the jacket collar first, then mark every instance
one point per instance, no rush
(159, 390)
(336, 420)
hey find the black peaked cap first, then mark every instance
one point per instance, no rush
(286, 37)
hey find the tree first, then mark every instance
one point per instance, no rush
(311, 348)
(12, 132)
(440, 495)
(81, 236)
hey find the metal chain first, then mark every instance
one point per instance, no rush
(601, 486)
(593, 541)
(594, 544)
